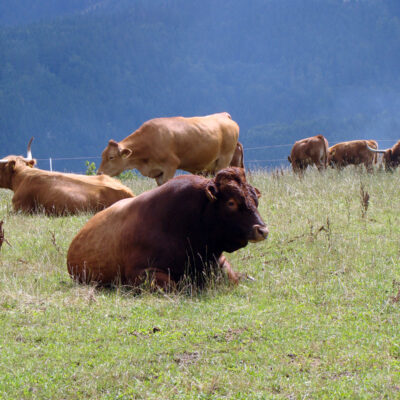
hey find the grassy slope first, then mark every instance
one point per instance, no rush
(318, 322)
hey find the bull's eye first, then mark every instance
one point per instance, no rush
(232, 205)
(111, 158)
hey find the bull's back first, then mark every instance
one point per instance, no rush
(95, 254)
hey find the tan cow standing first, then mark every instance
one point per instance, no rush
(163, 145)
(57, 193)
(353, 152)
(309, 151)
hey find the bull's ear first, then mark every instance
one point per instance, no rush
(211, 191)
(31, 163)
(125, 153)
(258, 193)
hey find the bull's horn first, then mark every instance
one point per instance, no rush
(374, 150)
(29, 152)
(3, 161)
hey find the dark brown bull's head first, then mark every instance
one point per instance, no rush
(9, 164)
(235, 205)
(114, 159)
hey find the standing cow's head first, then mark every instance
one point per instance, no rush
(233, 210)
(114, 159)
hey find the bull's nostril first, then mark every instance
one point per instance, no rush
(260, 232)
(263, 230)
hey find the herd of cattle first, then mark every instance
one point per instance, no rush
(316, 151)
(180, 228)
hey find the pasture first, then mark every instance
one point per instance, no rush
(320, 320)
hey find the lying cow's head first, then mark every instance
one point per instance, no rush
(8, 167)
(9, 164)
(235, 214)
(114, 159)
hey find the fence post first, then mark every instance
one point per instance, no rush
(51, 164)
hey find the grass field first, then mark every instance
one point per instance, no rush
(321, 320)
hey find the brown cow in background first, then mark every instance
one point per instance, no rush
(391, 157)
(238, 157)
(163, 145)
(354, 152)
(309, 151)
(178, 229)
(57, 193)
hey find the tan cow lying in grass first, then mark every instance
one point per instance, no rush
(163, 145)
(57, 193)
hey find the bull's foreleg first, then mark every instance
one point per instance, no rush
(233, 276)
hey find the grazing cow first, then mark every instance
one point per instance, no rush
(309, 151)
(162, 145)
(238, 158)
(178, 229)
(354, 152)
(391, 157)
(57, 193)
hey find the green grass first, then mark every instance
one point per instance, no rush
(320, 320)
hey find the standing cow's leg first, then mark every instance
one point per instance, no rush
(320, 166)
(168, 171)
(222, 162)
(369, 166)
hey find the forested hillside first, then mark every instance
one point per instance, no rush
(75, 74)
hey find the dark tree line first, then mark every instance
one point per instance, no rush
(75, 74)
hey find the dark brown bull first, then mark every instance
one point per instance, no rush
(354, 152)
(391, 157)
(178, 229)
(238, 157)
(309, 151)
(54, 192)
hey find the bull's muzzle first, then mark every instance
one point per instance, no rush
(260, 232)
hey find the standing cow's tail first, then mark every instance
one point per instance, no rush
(372, 146)
(325, 146)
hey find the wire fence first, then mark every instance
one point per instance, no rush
(248, 160)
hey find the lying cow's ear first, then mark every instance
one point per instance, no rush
(31, 163)
(11, 165)
(211, 191)
(112, 142)
(125, 153)
(258, 193)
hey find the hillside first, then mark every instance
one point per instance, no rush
(79, 73)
